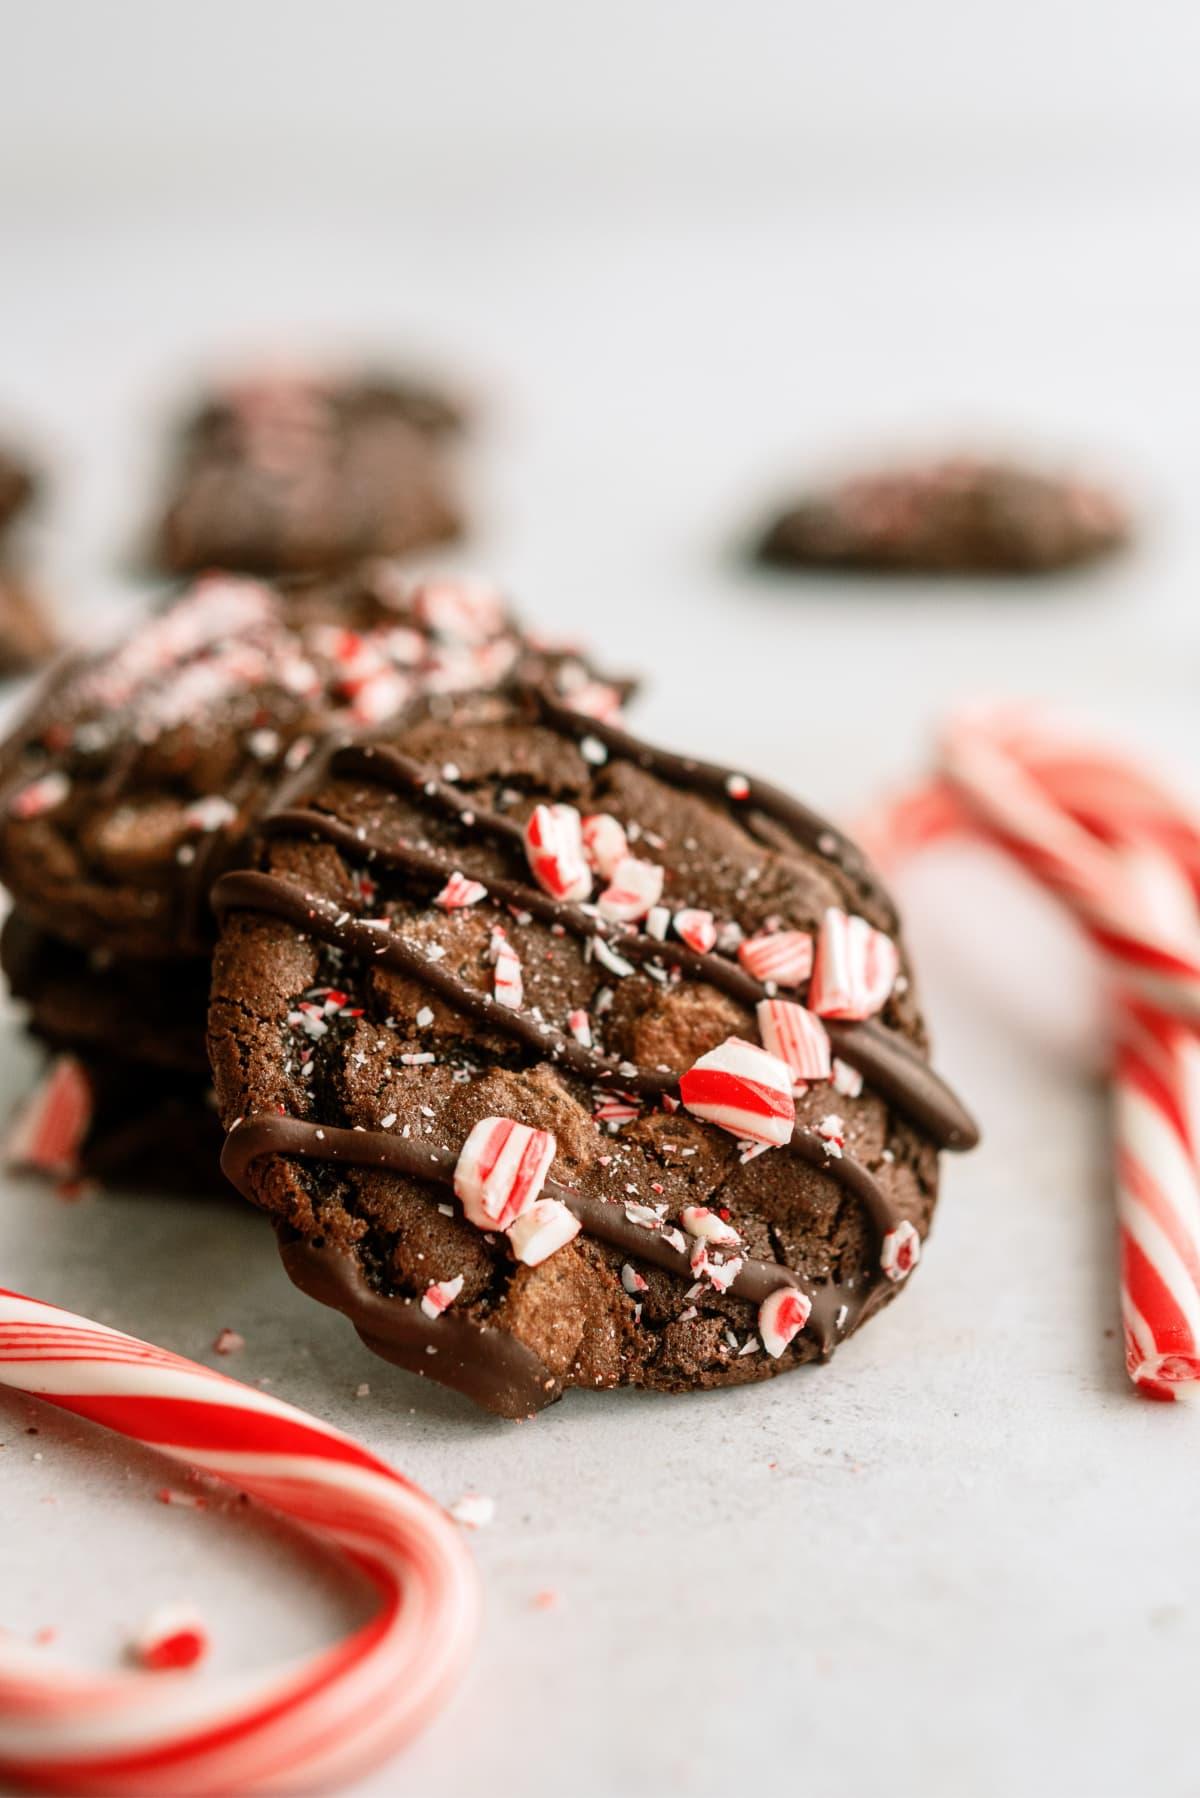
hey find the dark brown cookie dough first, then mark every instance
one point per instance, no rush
(287, 473)
(97, 1004)
(137, 772)
(963, 515)
(359, 1031)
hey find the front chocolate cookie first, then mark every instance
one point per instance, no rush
(559, 1060)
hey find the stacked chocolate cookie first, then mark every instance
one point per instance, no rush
(559, 1060)
(134, 780)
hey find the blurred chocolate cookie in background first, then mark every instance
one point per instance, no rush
(957, 515)
(27, 633)
(305, 470)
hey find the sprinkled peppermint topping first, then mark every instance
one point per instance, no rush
(636, 886)
(781, 1317)
(541, 1231)
(737, 786)
(854, 969)
(742, 1089)
(501, 1171)
(554, 848)
(508, 983)
(632, 1281)
(474, 1510)
(441, 1295)
(697, 928)
(901, 1251)
(782, 956)
(459, 891)
(797, 1037)
(605, 843)
(40, 796)
(707, 1226)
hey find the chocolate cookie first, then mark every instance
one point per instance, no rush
(288, 473)
(486, 1028)
(17, 486)
(138, 771)
(959, 516)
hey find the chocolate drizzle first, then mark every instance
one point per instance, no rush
(395, 1325)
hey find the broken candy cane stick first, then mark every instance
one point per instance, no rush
(306, 1726)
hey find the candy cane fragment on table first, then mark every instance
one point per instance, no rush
(307, 1726)
(1109, 840)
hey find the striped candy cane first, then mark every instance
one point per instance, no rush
(1108, 840)
(307, 1726)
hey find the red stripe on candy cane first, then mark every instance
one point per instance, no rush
(310, 1725)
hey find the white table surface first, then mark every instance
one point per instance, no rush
(963, 1558)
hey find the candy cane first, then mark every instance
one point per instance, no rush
(309, 1725)
(1106, 838)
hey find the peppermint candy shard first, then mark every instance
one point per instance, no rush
(901, 1251)
(554, 849)
(742, 1089)
(501, 1170)
(781, 1317)
(696, 928)
(704, 1224)
(172, 1638)
(797, 1036)
(52, 1125)
(604, 842)
(854, 969)
(540, 1232)
(441, 1295)
(635, 888)
(508, 986)
(580, 1026)
(784, 956)
(846, 1080)
(633, 1282)
(459, 891)
(41, 795)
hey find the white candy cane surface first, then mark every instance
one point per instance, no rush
(1109, 840)
(309, 1725)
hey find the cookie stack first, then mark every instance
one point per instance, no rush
(133, 782)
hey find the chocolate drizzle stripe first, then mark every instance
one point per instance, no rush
(320, 917)
(893, 1069)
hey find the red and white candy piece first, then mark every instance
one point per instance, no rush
(782, 956)
(458, 891)
(441, 1295)
(901, 1250)
(541, 1231)
(742, 1089)
(596, 699)
(604, 842)
(52, 1125)
(501, 1170)
(854, 970)
(697, 928)
(171, 1638)
(508, 983)
(580, 1026)
(41, 795)
(701, 1222)
(312, 1723)
(554, 847)
(463, 610)
(781, 1317)
(636, 886)
(797, 1036)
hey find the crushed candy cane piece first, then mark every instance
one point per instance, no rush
(846, 1080)
(697, 928)
(699, 1221)
(901, 1251)
(228, 1342)
(604, 842)
(832, 1131)
(782, 956)
(459, 891)
(213, 812)
(632, 1281)
(540, 1232)
(596, 699)
(554, 848)
(737, 786)
(781, 1317)
(52, 1125)
(797, 1036)
(854, 969)
(41, 795)
(722, 1274)
(636, 886)
(508, 984)
(441, 1295)
(658, 922)
(580, 1026)
(742, 1089)
(608, 958)
(172, 1638)
(466, 611)
(501, 1170)
(474, 1510)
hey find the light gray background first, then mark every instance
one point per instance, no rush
(682, 252)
